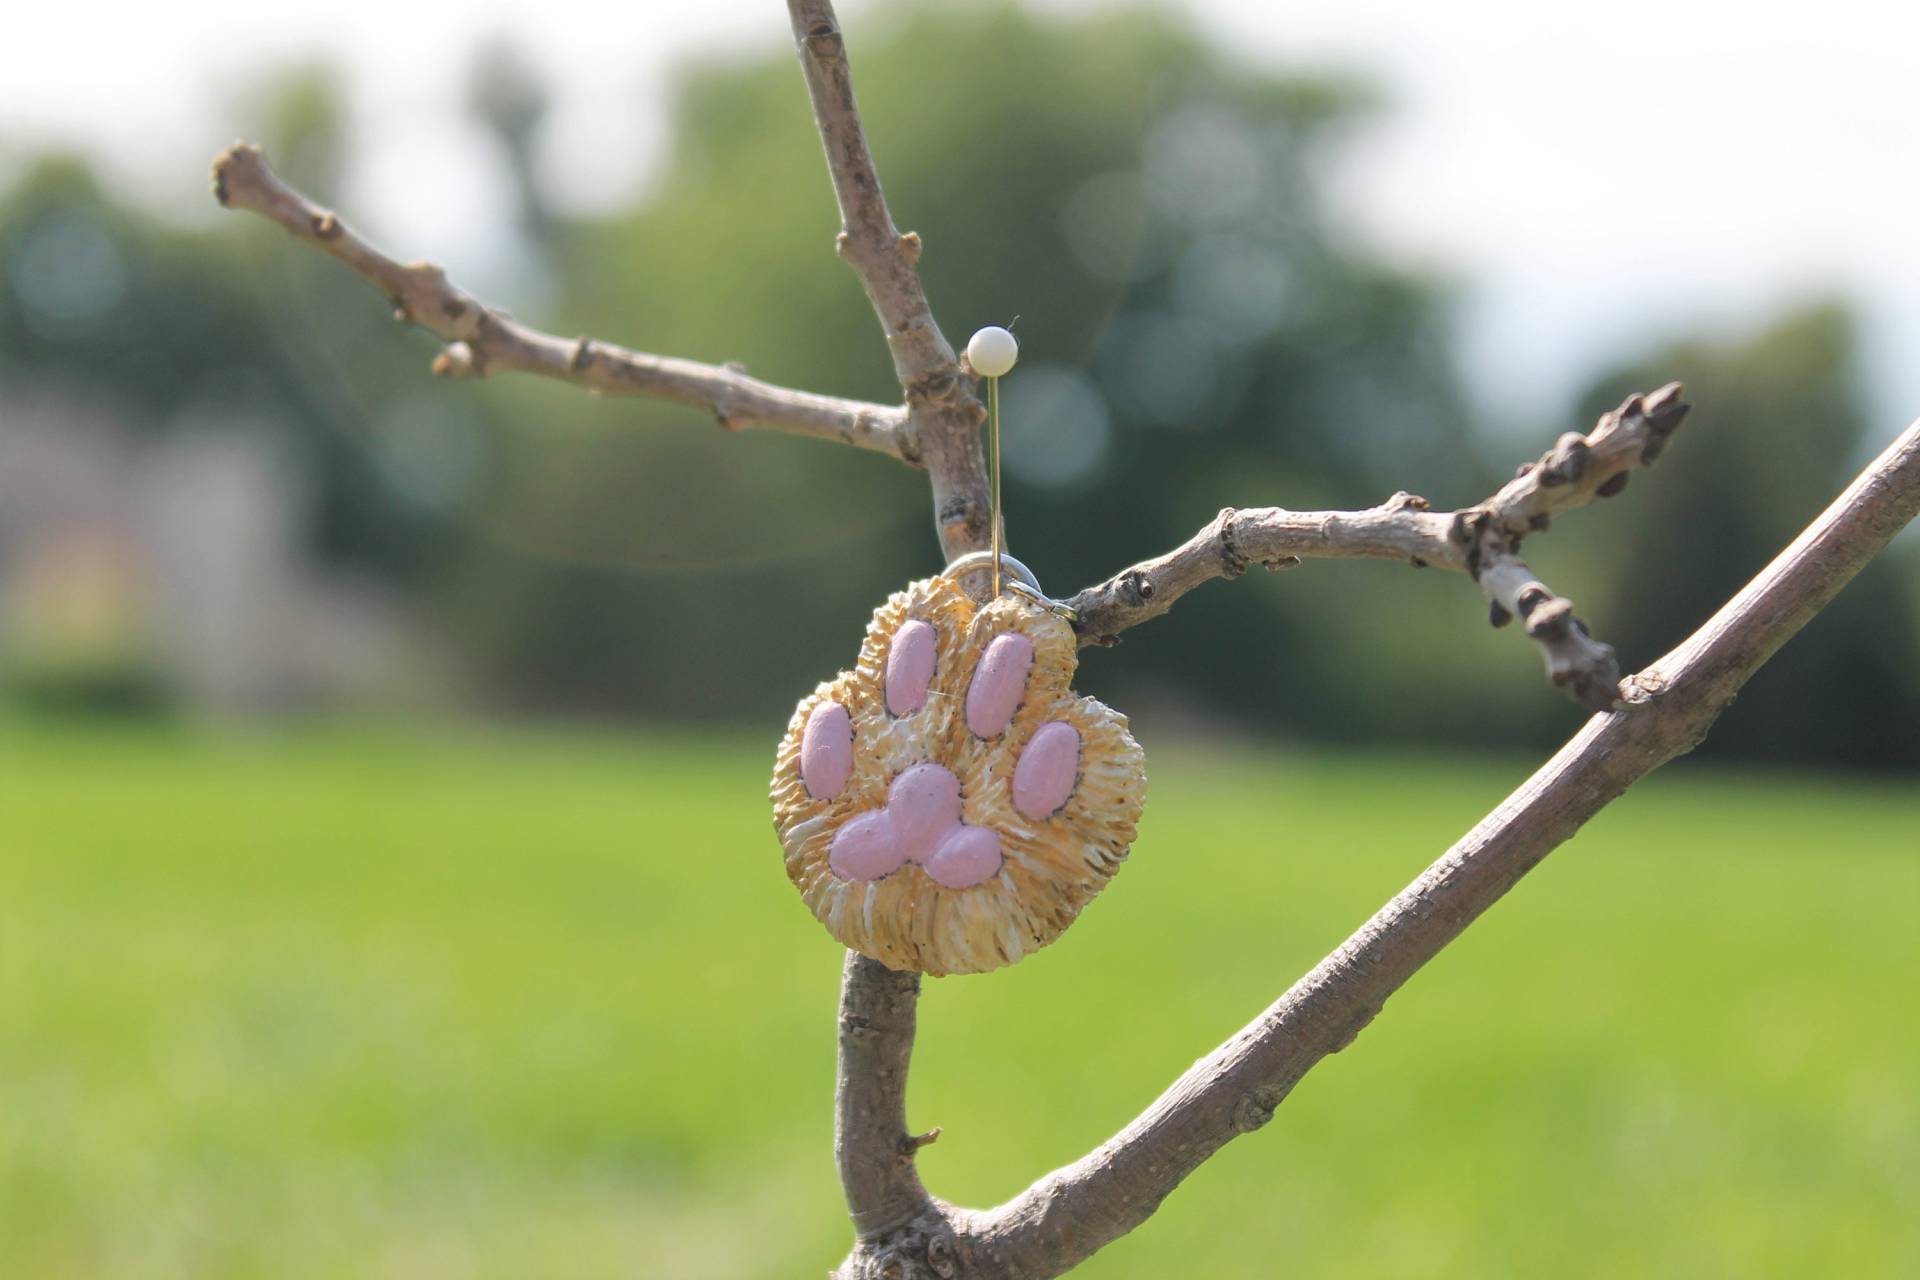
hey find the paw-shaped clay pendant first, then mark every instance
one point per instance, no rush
(949, 805)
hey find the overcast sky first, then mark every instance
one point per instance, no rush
(1601, 174)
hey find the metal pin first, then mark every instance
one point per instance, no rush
(990, 353)
(993, 435)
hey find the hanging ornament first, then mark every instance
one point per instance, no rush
(950, 804)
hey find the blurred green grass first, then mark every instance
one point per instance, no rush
(355, 1001)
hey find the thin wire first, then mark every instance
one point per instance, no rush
(993, 435)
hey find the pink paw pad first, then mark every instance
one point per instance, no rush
(826, 751)
(921, 823)
(998, 683)
(968, 857)
(1044, 777)
(910, 663)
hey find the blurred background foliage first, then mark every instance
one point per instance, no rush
(318, 959)
(1198, 332)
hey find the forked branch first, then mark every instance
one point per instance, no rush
(1482, 541)
(481, 340)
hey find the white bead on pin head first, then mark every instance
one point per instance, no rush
(991, 352)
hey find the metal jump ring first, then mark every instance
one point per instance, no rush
(1019, 578)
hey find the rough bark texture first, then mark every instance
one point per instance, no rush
(902, 1232)
(871, 1145)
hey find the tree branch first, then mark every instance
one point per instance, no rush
(1069, 1214)
(893, 1216)
(482, 341)
(870, 1140)
(884, 259)
(1482, 541)
(944, 415)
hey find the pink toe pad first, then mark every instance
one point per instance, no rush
(910, 662)
(921, 823)
(864, 848)
(970, 856)
(924, 804)
(1047, 770)
(998, 683)
(826, 751)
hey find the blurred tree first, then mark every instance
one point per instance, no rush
(1197, 332)
(505, 93)
(302, 117)
(101, 302)
(111, 316)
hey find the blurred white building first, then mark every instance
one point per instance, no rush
(177, 560)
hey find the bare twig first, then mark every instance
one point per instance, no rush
(945, 416)
(1574, 472)
(1667, 709)
(482, 341)
(1483, 541)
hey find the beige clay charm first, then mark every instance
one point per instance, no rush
(950, 804)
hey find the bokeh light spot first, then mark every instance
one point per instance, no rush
(66, 274)
(1056, 427)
